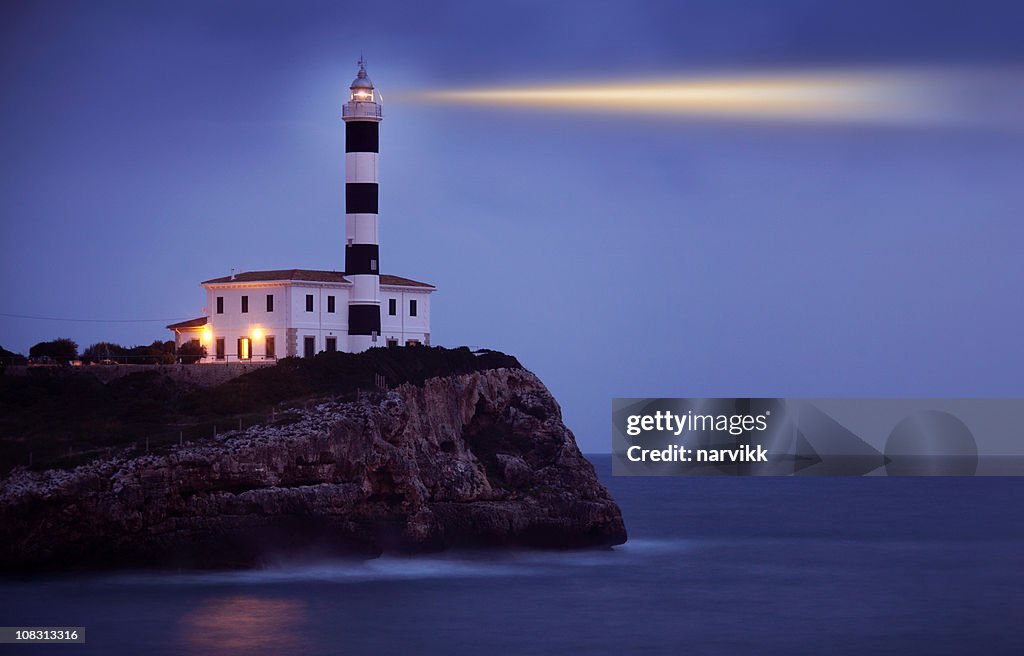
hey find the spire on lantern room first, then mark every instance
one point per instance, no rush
(362, 86)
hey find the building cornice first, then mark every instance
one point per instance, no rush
(308, 283)
(255, 284)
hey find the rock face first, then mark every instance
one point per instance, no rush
(474, 459)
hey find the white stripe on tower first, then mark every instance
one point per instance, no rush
(362, 117)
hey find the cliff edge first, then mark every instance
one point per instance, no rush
(468, 459)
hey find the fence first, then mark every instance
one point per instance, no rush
(113, 360)
(201, 375)
(65, 456)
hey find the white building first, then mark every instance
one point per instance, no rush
(265, 315)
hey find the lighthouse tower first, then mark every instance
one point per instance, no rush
(362, 118)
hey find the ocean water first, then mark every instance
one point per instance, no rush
(713, 566)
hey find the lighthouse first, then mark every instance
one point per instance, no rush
(260, 316)
(362, 116)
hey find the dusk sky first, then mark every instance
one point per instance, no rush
(150, 146)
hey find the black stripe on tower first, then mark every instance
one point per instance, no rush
(363, 319)
(360, 197)
(362, 259)
(362, 137)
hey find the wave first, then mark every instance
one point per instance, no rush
(381, 569)
(453, 565)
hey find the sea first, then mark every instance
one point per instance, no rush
(796, 565)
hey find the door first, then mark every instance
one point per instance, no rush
(220, 348)
(271, 347)
(309, 347)
(332, 344)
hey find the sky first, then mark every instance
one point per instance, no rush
(149, 146)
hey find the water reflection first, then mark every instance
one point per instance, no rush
(244, 624)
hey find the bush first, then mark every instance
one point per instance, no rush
(10, 358)
(61, 350)
(191, 352)
(105, 352)
(342, 373)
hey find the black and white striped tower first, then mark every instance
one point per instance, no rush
(362, 118)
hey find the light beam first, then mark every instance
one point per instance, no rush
(851, 96)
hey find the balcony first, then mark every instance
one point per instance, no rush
(360, 110)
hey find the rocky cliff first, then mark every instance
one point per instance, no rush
(479, 458)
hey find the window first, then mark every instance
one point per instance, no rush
(373, 265)
(412, 342)
(309, 302)
(245, 304)
(220, 348)
(271, 346)
(392, 306)
(392, 342)
(330, 304)
(308, 346)
(220, 305)
(332, 344)
(412, 308)
(270, 302)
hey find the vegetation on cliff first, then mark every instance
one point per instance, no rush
(64, 418)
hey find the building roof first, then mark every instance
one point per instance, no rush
(280, 274)
(399, 281)
(191, 323)
(308, 275)
(362, 81)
